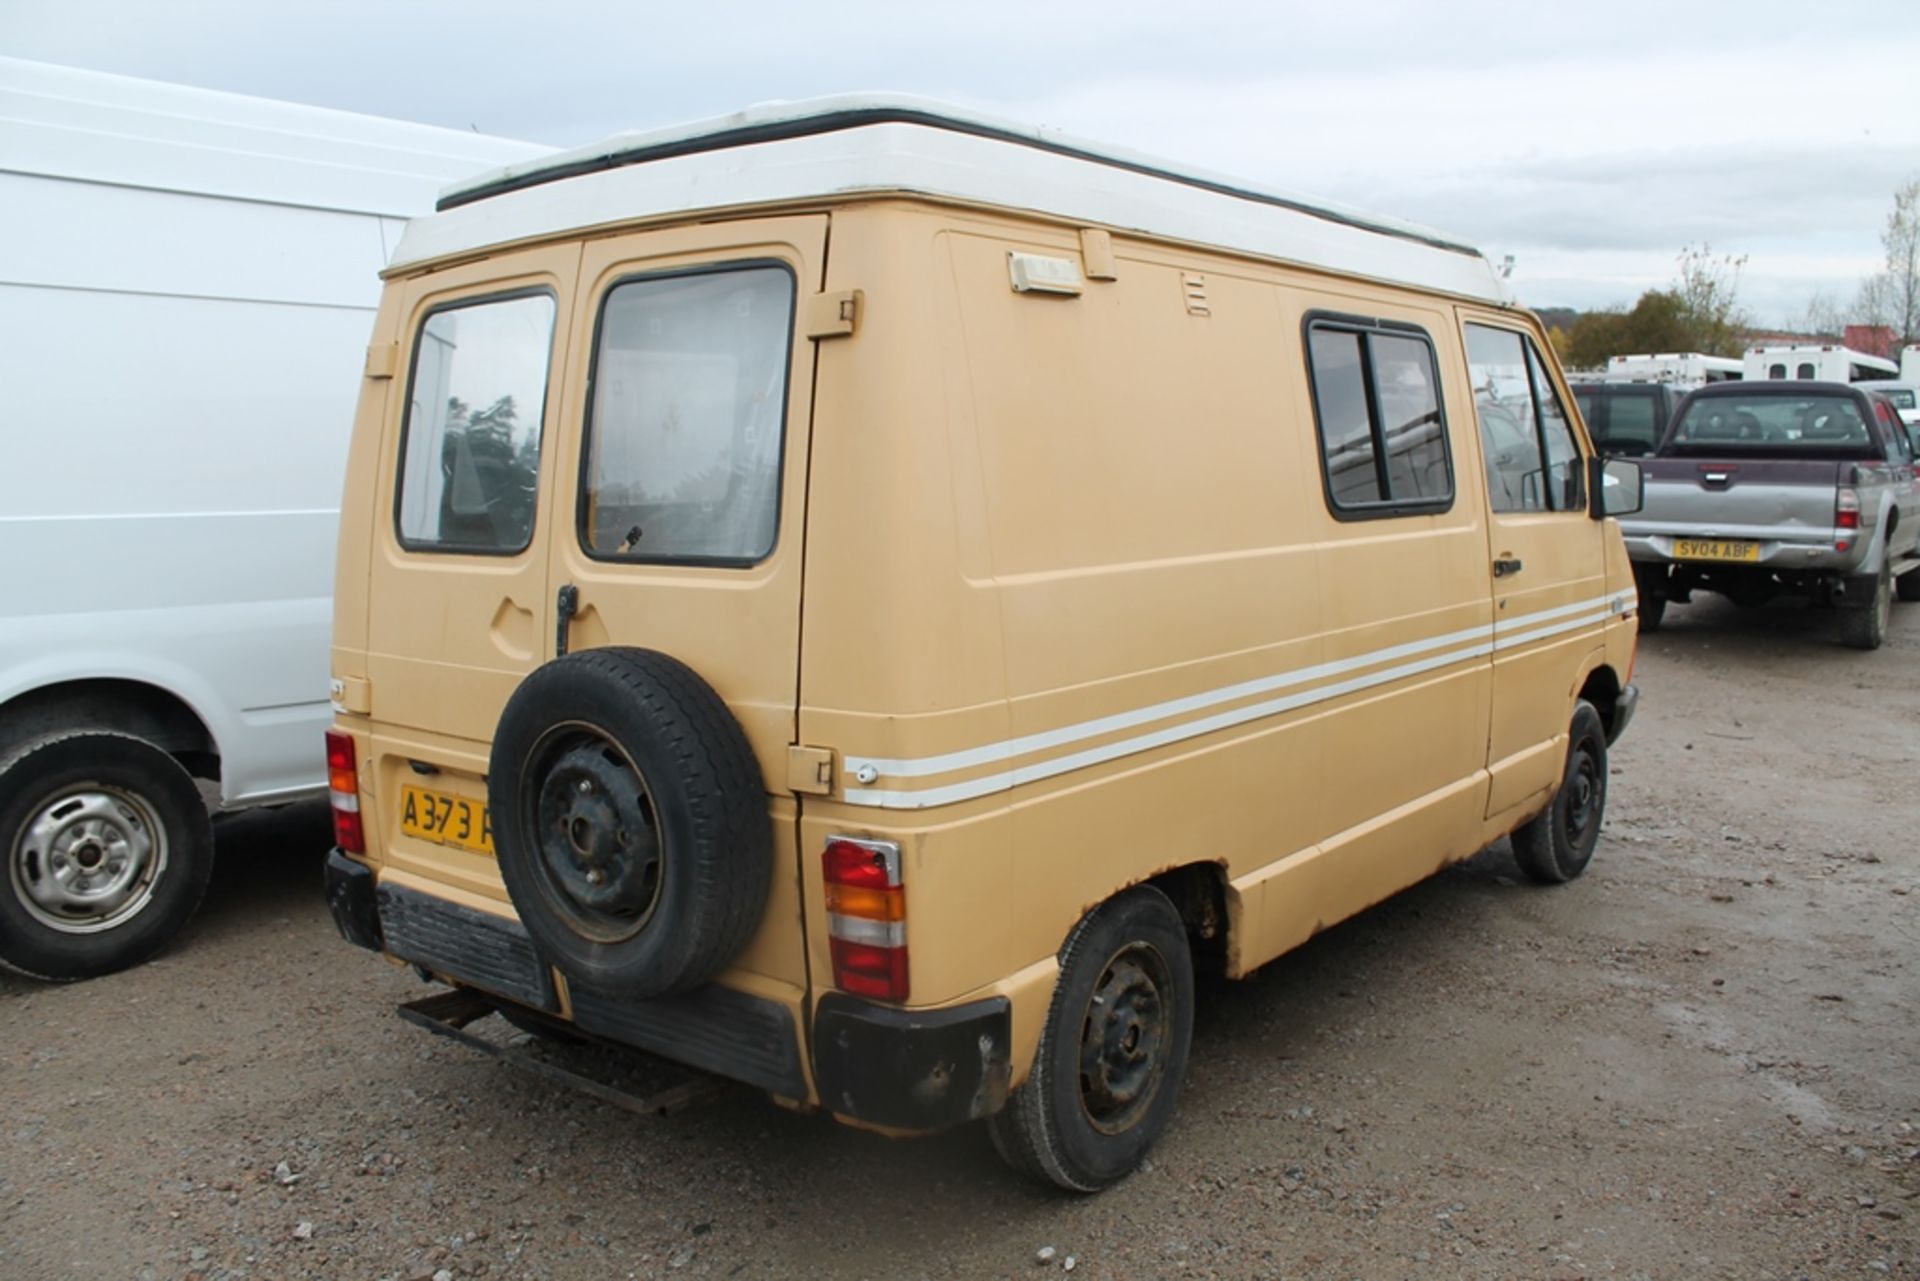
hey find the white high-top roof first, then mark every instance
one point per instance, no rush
(869, 144)
(90, 126)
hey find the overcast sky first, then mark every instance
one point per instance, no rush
(1591, 141)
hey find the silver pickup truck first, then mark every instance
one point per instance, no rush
(1760, 490)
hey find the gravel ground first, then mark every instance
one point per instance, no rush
(1701, 1060)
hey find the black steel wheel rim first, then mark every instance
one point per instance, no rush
(1126, 1033)
(1584, 790)
(592, 834)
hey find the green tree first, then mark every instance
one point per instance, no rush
(1658, 322)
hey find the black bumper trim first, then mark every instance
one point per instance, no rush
(716, 1029)
(1623, 709)
(350, 899)
(912, 1069)
(478, 949)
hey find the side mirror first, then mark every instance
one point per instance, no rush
(1619, 487)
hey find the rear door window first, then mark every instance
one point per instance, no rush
(470, 445)
(687, 417)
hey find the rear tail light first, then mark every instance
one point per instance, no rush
(343, 793)
(866, 917)
(1846, 516)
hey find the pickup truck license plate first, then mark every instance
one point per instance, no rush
(1714, 549)
(446, 819)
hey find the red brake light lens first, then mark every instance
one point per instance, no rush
(859, 863)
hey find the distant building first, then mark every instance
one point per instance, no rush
(1875, 340)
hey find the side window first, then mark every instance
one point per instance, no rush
(689, 410)
(1376, 404)
(1632, 423)
(1776, 371)
(1899, 447)
(1805, 370)
(1532, 461)
(470, 445)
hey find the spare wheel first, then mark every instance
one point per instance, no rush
(630, 821)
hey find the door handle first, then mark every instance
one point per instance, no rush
(566, 604)
(1506, 566)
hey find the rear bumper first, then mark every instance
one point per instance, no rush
(1777, 555)
(1623, 709)
(350, 899)
(917, 1070)
(718, 1029)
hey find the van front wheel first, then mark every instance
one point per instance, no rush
(1558, 844)
(1113, 1052)
(108, 852)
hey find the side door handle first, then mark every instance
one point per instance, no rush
(1506, 566)
(565, 605)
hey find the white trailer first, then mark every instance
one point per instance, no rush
(1825, 363)
(1685, 370)
(187, 285)
(1910, 364)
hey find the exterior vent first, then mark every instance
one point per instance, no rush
(1194, 286)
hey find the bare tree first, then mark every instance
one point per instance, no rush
(1708, 289)
(1822, 315)
(1902, 277)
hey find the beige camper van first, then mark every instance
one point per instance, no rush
(866, 600)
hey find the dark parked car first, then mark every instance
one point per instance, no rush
(1626, 420)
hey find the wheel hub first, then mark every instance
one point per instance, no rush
(88, 859)
(596, 837)
(1122, 1040)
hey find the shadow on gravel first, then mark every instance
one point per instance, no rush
(1785, 626)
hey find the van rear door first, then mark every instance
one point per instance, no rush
(456, 571)
(681, 491)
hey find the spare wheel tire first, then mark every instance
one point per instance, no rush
(630, 821)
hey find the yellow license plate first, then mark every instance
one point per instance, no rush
(1714, 549)
(446, 819)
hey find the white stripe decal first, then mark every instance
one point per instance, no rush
(1596, 610)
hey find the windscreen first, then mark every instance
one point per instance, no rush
(1771, 424)
(1901, 397)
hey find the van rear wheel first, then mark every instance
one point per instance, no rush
(108, 852)
(1114, 1050)
(630, 822)
(1558, 844)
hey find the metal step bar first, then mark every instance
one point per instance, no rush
(448, 1014)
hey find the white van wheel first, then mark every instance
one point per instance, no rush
(1114, 1050)
(108, 852)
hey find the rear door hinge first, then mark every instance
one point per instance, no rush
(382, 359)
(810, 770)
(834, 315)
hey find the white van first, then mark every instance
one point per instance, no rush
(1910, 363)
(188, 282)
(1684, 370)
(1827, 362)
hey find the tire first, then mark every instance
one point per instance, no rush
(630, 822)
(1061, 1128)
(1864, 626)
(1558, 843)
(108, 851)
(1907, 586)
(1650, 582)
